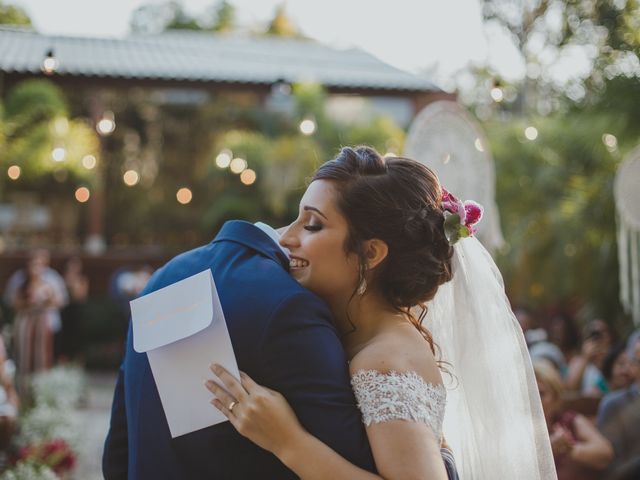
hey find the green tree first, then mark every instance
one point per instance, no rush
(35, 122)
(12, 15)
(171, 15)
(281, 25)
(607, 30)
(225, 17)
(156, 18)
(557, 211)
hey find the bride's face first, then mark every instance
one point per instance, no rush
(316, 240)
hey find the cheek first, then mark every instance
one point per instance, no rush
(333, 270)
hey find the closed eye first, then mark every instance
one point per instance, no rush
(313, 228)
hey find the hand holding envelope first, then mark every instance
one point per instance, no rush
(182, 330)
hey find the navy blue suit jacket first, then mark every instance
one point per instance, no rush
(282, 336)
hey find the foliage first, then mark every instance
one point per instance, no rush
(191, 138)
(225, 17)
(12, 15)
(557, 211)
(603, 35)
(281, 25)
(35, 122)
(171, 15)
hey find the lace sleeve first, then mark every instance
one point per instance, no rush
(399, 396)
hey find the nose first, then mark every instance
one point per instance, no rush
(289, 238)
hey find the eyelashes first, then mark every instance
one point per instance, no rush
(313, 228)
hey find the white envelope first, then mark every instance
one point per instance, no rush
(182, 329)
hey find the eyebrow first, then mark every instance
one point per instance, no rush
(307, 208)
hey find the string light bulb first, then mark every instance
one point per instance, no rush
(83, 194)
(49, 63)
(14, 172)
(307, 126)
(238, 165)
(184, 195)
(107, 124)
(531, 133)
(248, 177)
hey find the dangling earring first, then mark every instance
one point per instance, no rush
(363, 283)
(362, 287)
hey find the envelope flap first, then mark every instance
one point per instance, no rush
(173, 312)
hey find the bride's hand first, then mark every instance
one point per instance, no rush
(258, 413)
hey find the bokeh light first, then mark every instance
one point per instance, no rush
(83, 194)
(107, 124)
(497, 94)
(531, 133)
(610, 141)
(184, 195)
(59, 154)
(478, 145)
(89, 162)
(238, 165)
(248, 176)
(14, 172)
(224, 158)
(307, 126)
(49, 64)
(131, 178)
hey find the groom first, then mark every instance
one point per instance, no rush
(283, 338)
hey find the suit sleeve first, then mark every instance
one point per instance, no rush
(303, 359)
(115, 457)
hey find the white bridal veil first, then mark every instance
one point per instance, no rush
(494, 421)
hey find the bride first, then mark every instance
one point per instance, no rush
(384, 245)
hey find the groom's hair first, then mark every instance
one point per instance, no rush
(398, 201)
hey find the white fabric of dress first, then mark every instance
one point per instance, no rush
(383, 397)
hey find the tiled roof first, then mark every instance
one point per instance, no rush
(204, 57)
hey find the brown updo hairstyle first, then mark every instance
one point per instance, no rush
(396, 200)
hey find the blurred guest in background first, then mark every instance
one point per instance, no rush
(37, 302)
(50, 277)
(580, 451)
(72, 334)
(550, 352)
(585, 373)
(8, 399)
(616, 368)
(127, 283)
(619, 418)
(564, 333)
(530, 329)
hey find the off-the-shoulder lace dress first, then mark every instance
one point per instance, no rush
(399, 396)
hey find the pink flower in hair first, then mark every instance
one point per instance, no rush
(473, 211)
(460, 218)
(452, 205)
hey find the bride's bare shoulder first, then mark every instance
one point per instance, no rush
(398, 350)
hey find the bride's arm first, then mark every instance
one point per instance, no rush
(401, 449)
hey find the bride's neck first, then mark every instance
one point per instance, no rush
(360, 319)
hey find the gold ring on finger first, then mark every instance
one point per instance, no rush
(231, 405)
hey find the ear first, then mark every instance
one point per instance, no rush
(375, 251)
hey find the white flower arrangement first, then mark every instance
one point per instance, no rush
(44, 422)
(29, 471)
(61, 387)
(56, 393)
